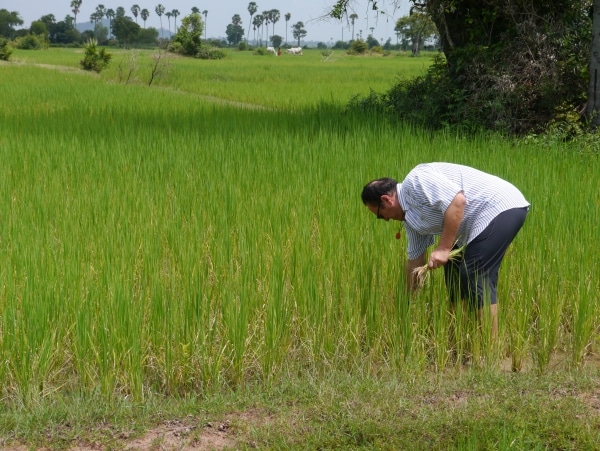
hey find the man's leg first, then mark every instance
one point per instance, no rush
(481, 263)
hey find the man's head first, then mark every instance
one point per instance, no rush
(381, 198)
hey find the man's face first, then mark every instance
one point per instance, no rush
(380, 210)
(387, 208)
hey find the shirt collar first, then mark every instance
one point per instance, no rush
(400, 194)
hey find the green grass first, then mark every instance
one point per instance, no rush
(167, 252)
(287, 82)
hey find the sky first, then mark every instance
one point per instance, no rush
(220, 12)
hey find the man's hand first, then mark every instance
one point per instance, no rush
(438, 257)
(452, 219)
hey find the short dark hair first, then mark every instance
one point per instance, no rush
(372, 192)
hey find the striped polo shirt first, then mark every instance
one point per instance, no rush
(428, 190)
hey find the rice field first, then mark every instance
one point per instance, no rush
(169, 239)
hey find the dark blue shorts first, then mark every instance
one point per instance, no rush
(474, 277)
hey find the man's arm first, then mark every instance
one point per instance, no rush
(452, 219)
(411, 265)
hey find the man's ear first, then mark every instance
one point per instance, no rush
(387, 199)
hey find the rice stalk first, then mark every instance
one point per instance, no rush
(421, 273)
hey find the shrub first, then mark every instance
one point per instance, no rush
(5, 49)
(95, 59)
(210, 53)
(377, 49)
(358, 47)
(176, 47)
(31, 42)
(243, 46)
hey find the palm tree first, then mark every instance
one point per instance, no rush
(252, 8)
(175, 13)
(75, 5)
(287, 17)
(353, 17)
(195, 10)
(275, 15)
(135, 10)
(205, 12)
(266, 19)
(110, 15)
(257, 23)
(169, 14)
(160, 10)
(100, 12)
(144, 14)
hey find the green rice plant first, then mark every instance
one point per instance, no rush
(156, 241)
(584, 320)
(518, 314)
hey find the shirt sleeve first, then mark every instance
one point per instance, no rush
(434, 189)
(417, 243)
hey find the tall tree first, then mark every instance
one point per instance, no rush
(100, 12)
(417, 27)
(252, 8)
(234, 30)
(125, 30)
(298, 31)
(205, 13)
(144, 14)
(160, 10)
(592, 110)
(275, 16)
(8, 20)
(75, 8)
(195, 10)
(287, 17)
(266, 20)
(257, 23)
(175, 13)
(169, 14)
(135, 10)
(353, 18)
(511, 66)
(110, 15)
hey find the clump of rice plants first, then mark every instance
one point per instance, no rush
(422, 272)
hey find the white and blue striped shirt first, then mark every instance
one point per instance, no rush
(428, 190)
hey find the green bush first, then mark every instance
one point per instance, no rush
(31, 42)
(211, 53)
(5, 49)
(176, 47)
(243, 46)
(358, 47)
(431, 101)
(95, 59)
